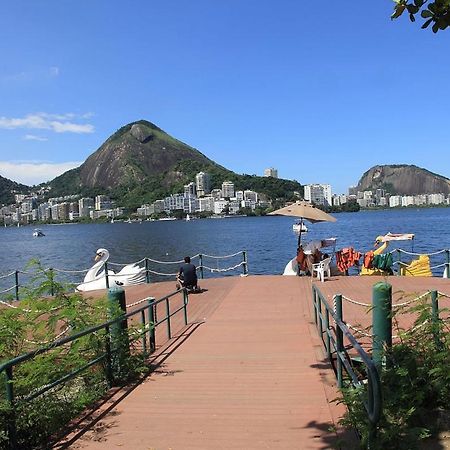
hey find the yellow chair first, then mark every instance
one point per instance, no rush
(417, 268)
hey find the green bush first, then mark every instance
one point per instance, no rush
(415, 385)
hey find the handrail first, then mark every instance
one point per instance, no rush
(148, 329)
(335, 346)
(146, 271)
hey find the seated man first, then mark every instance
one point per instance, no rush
(187, 276)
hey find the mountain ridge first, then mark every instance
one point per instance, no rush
(403, 179)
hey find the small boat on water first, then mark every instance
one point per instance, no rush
(188, 217)
(38, 233)
(300, 227)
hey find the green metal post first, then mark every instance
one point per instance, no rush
(144, 334)
(381, 321)
(169, 327)
(147, 273)
(119, 331)
(105, 266)
(447, 265)
(109, 371)
(327, 333)
(315, 305)
(17, 284)
(339, 338)
(244, 266)
(435, 317)
(151, 324)
(200, 260)
(399, 259)
(185, 303)
(12, 428)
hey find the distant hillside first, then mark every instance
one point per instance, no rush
(7, 188)
(141, 163)
(403, 180)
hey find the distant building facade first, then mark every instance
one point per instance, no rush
(271, 172)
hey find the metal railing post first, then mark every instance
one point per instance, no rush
(200, 260)
(244, 266)
(339, 338)
(105, 268)
(17, 284)
(119, 331)
(435, 317)
(12, 427)
(447, 265)
(144, 334)
(185, 303)
(147, 273)
(399, 261)
(327, 334)
(169, 330)
(108, 369)
(151, 324)
(381, 322)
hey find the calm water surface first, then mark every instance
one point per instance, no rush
(269, 241)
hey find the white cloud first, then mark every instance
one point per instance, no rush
(59, 123)
(34, 172)
(32, 137)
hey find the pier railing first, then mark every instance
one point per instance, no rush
(439, 260)
(151, 269)
(113, 333)
(338, 340)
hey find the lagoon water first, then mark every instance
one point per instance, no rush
(269, 241)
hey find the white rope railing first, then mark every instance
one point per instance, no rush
(51, 340)
(420, 297)
(148, 299)
(366, 305)
(7, 290)
(224, 270)
(7, 275)
(222, 257)
(417, 254)
(67, 271)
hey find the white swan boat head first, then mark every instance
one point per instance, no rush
(96, 278)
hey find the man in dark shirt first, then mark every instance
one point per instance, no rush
(187, 275)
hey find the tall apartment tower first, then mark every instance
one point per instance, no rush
(203, 183)
(319, 194)
(227, 189)
(271, 172)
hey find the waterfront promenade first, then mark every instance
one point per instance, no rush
(248, 372)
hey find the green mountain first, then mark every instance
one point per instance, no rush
(403, 179)
(141, 163)
(8, 188)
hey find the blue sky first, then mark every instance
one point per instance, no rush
(322, 91)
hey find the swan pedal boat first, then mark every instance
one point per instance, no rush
(95, 278)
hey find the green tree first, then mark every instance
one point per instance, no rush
(435, 12)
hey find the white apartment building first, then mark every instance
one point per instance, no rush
(203, 183)
(85, 206)
(395, 200)
(219, 206)
(102, 202)
(320, 194)
(190, 189)
(206, 204)
(271, 172)
(227, 189)
(407, 200)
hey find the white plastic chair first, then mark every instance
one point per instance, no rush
(322, 268)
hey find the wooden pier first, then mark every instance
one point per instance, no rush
(248, 372)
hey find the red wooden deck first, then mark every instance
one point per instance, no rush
(248, 372)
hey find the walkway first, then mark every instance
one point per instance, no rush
(247, 373)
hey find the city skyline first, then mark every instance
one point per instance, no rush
(321, 93)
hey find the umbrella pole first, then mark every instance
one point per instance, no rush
(300, 233)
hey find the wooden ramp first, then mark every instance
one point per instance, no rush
(247, 373)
